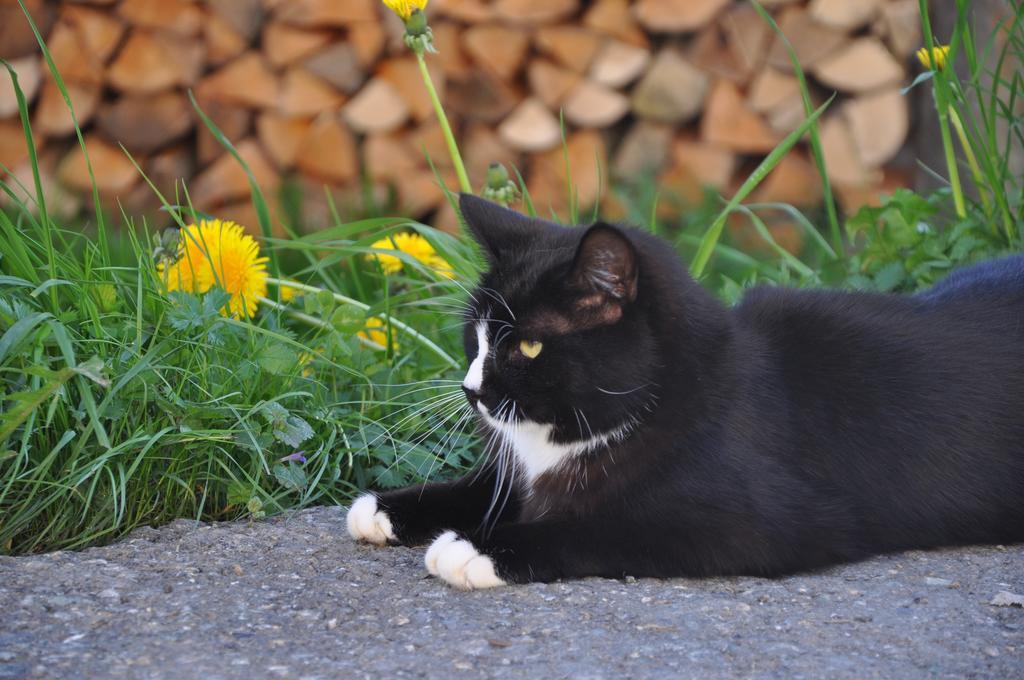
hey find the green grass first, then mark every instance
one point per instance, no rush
(123, 404)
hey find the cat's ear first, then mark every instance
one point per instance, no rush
(605, 268)
(495, 228)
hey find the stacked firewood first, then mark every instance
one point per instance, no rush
(323, 93)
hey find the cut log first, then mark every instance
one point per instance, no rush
(481, 97)
(572, 46)
(428, 141)
(389, 158)
(878, 124)
(729, 122)
(549, 182)
(863, 65)
(144, 66)
(843, 14)
(533, 12)
(618, 64)
(551, 83)
(183, 18)
(339, 66)
(748, 37)
(613, 18)
(16, 39)
(113, 172)
(328, 152)
(448, 41)
(248, 81)
(419, 193)
(712, 166)
(481, 147)
(13, 147)
(789, 115)
(168, 170)
(189, 56)
(643, 151)
(234, 121)
(146, 123)
(52, 116)
(404, 76)
(303, 94)
(531, 127)
(319, 13)
(62, 203)
(99, 32)
(678, 191)
(794, 181)
(30, 77)
(853, 198)
(712, 53)
(899, 22)
(226, 180)
(281, 137)
(223, 43)
(284, 44)
(592, 105)
(842, 159)
(672, 90)
(810, 40)
(368, 39)
(677, 16)
(244, 16)
(467, 11)
(498, 49)
(771, 89)
(377, 108)
(74, 61)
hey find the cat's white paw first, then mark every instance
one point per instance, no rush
(459, 564)
(367, 523)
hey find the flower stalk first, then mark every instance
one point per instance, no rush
(420, 39)
(935, 58)
(446, 130)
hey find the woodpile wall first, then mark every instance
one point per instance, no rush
(324, 93)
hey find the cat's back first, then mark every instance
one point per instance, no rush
(984, 282)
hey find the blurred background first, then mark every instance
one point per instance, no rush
(322, 100)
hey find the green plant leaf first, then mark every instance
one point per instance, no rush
(290, 476)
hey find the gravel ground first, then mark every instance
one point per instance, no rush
(293, 597)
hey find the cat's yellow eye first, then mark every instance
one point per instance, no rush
(530, 348)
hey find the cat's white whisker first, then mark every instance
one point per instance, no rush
(616, 393)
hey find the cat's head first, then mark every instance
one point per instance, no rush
(559, 334)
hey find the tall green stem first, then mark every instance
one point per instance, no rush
(446, 130)
(941, 96)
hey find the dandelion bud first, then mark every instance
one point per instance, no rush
(936, 60)
(499, 187)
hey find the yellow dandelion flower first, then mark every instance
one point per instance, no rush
(289, 293)
(410, 244)
(405, 8)
(375, 331)
(220, 253)
(939, 55)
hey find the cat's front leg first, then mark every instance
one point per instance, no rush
(550, 550)
(418, 513)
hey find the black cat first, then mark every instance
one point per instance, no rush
(646, 429)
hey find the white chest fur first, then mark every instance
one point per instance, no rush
(535, 452)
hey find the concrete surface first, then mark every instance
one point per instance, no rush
(294, 597)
